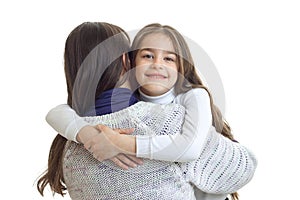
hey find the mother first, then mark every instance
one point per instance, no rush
(168, 182)
(75, 167)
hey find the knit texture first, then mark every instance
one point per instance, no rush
(223, 166)
(88, 179)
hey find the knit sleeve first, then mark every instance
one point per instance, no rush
(185, 145)
(223, 166)
(65, 121)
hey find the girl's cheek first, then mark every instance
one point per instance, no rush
(173, 71)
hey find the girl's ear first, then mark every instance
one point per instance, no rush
(125, 63)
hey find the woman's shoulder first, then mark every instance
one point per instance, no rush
(139, 110)
(149, 107)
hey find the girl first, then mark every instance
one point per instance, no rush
(156, 70)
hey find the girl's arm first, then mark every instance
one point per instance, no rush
(66, 122)
(181, 147)
(187, 145)
(218, 156)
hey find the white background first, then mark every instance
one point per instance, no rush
(255, 46)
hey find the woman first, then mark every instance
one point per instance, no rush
(85, 177)
(121, 188)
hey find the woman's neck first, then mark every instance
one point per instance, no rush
(165, 98)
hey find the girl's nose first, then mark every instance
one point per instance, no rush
(157, 66)
(157, 63)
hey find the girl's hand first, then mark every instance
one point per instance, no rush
(110, 143)
(126, 161)
(87, 133)
(102, 146)
(124, 130)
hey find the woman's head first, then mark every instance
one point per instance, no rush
(174, 50)
(94, 60)
(93, 51)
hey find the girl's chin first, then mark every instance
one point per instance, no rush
(154, 89)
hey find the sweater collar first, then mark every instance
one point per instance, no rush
(165, 98)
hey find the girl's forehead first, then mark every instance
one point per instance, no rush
(157, 41)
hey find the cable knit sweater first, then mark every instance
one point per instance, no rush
(87, 178)
(222, 166)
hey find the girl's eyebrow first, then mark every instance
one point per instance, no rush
(153, 49)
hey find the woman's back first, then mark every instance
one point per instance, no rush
(87, 178)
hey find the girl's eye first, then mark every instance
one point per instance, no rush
(169, 59)
(148, 56)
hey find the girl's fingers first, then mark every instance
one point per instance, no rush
(119, 163)
(135, 159)
(123, 158)
(125, 130)
(126, 161)
(119, 130)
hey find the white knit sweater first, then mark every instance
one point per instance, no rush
(87, 178)
(182, 146)
(221, 166)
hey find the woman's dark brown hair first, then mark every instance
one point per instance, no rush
(93, 62)
(187, 75)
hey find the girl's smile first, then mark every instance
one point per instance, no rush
(156, 65)
(156, 76)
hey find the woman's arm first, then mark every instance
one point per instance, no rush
(218, 164)
(185, 145)
(223, 166)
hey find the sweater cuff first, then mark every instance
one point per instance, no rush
(143, 146)
(73, 129)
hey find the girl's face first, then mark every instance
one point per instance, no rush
(156, 65)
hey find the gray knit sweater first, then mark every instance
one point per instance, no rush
(87, 178)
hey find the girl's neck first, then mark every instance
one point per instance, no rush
(165, 98)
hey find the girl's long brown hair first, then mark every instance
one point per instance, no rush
(93, 51)
(188, 77)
